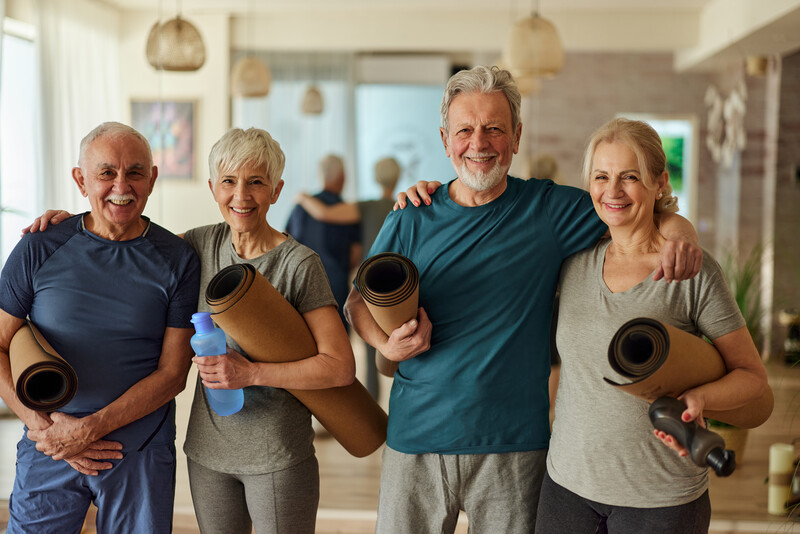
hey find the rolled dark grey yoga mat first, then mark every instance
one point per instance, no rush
(661, 360)
(269, 329)
(44, 381)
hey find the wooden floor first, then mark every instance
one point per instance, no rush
(349, 486)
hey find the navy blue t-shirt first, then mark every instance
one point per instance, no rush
(331, 241)
(104, 306)
(487, 280)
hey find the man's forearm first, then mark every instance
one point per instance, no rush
(676, 228)
(151, 392)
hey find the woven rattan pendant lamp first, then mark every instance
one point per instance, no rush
(250, 77)
(312, 103)
(533, 48)
(175, 45)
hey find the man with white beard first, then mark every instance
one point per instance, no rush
(468, 412)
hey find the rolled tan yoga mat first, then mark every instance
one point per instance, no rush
(44, 381)
(269, 329)
(662, 360)
(389, 285)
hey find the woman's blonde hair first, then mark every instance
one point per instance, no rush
(239, 147)
(646, 144)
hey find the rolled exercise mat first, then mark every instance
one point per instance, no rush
(269, 329)
(662, 360)
(389, 285)
(781, 472)
(44, 381)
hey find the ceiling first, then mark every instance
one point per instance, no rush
(702, 34)
(245, 6)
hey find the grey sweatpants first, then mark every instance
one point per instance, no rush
(424, 492)
(284, 502)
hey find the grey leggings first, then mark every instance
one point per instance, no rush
(562, 511)
(284, 502)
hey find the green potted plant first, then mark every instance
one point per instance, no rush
(744, 278)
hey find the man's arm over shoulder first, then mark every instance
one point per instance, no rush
(570, 215)
(680, 257)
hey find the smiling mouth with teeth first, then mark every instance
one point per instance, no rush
(120, 202)
(242, 210)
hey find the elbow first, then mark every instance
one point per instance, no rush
(347, 311)
(347, 375)
(176, 384)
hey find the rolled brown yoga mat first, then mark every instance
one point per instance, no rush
(269, 329)
(662, 360)
(44, 381)
(389, 285)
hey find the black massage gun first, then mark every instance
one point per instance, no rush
(706, 448)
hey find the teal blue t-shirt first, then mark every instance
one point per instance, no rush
(488, 276)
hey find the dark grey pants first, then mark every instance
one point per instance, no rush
(284, 502)
(564, 512)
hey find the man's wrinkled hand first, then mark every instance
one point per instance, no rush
(410, 339)
(89, 461)
(678, 260)
(66, 437)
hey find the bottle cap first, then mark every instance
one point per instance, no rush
(202, 322)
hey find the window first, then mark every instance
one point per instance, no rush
(19, 178)
(399, 121)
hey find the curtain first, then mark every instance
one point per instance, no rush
(304, 139)
(78, 56)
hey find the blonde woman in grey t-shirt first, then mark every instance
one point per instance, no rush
(607, 470)
(257, 468)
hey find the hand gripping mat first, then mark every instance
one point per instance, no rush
(662, 360)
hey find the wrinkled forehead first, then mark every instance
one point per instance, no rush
(115, 149)
(478, 107)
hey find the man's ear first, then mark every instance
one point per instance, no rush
(153, 176)
(517, 136)
(77, 176)
(443, 133)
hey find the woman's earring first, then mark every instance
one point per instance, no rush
(660, 194)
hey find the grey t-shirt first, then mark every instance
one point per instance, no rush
(373, 213)
(603, 447)
(273, 429)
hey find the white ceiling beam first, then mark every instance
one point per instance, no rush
(730, 30)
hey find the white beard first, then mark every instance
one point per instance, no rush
(481, 181)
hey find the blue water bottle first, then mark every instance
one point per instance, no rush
(210, 341)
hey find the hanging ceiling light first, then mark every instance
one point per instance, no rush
(527, 83)
(533, 48)
(250, 77)
(312, 103)
(175, 45)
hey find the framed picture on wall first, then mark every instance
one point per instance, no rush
(169, 126)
